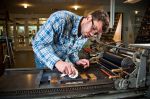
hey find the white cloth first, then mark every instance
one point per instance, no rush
(71, 76)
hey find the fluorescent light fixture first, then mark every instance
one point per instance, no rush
(42, 19)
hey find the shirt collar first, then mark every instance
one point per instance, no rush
(76, 25)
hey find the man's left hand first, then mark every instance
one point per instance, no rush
(84, 62)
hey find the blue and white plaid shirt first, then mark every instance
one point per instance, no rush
(58, 39)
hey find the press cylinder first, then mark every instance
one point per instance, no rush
(108, 64)
(120, 61)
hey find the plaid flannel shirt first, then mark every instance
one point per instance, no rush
(58, 39)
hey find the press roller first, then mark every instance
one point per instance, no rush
(116, 61)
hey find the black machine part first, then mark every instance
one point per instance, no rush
(120, 61)
(32, 83)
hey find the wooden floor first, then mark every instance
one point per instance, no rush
(24, 59)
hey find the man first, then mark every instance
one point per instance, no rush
(57, 43)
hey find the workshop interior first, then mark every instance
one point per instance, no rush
(119, 59)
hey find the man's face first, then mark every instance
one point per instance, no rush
(91, 27)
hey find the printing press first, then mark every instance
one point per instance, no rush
(116, 72)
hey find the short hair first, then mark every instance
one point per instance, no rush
(101, 15)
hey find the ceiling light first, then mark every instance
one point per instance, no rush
(76, 7)
(25, 5)
(42, 19)
(131, 1)
(136, 12)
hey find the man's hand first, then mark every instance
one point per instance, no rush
(84, 62)
(65, 67)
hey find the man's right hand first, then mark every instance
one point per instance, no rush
(65, 67)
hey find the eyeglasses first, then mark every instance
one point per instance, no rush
(94, 28)
(104, 27)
